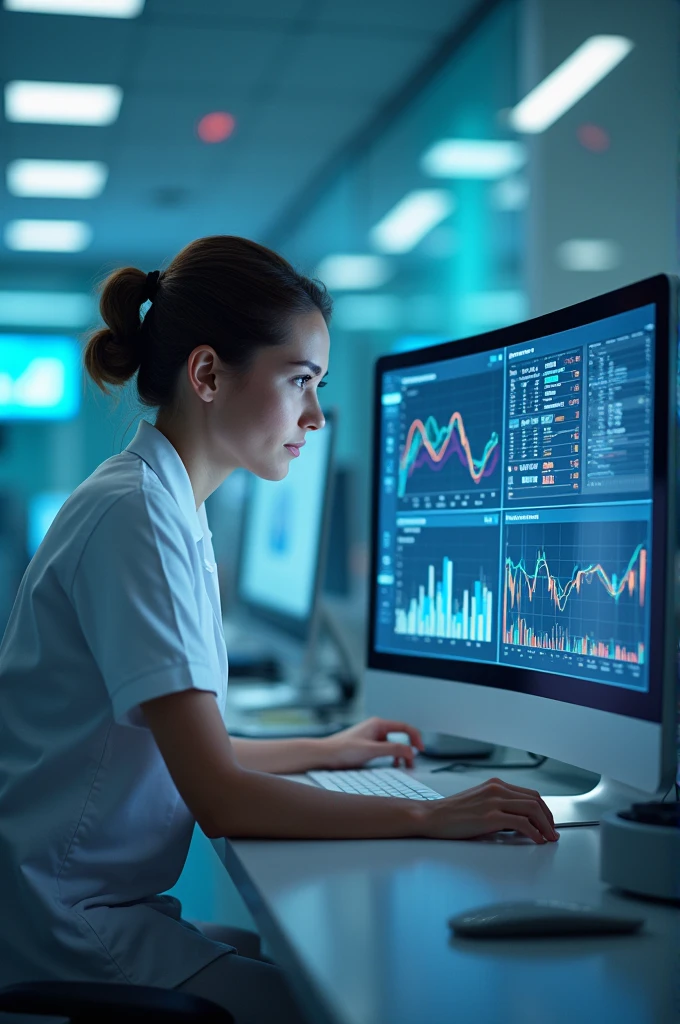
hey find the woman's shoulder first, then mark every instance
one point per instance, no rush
(125, 490)
(121, 508)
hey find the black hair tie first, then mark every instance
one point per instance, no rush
(151, 286)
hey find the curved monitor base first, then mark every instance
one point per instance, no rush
(589, 808)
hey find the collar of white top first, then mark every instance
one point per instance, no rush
(161, 456)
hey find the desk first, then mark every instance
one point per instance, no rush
(361, 928)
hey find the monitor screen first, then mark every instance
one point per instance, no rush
(42, 509)
(40, 377)
(282, 544)
(515, 529)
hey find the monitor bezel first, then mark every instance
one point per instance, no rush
(300, 627)
(661, 291)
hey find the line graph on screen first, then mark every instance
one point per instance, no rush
(450, 438)
(577, 588)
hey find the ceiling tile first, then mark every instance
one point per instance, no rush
(426, 16)
(349, 66)
(46, 48)
(226, 11)
(228, 61)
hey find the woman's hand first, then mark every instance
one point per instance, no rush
(353, 747)
(492, 807)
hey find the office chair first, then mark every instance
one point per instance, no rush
(109, 1003)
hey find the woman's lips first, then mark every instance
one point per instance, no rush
(294, 449)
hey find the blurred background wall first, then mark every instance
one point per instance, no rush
(378, 145)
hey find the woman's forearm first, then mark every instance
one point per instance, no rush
(264, 806)
(279, 757)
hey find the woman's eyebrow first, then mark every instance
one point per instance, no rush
(310, 366)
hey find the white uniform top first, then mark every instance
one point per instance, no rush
(119, 605)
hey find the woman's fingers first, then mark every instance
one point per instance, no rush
(413, 734)
(531, 793)
(532, 810)
(518, 791)
(399, 751)
(498, 820)
(489, 808)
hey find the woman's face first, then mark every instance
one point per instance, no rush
(262, 418)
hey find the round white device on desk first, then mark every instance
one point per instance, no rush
(640, 850)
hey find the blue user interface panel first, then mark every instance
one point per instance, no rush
(515, 506)
(40, 377)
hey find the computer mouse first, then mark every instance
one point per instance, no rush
(540, 917)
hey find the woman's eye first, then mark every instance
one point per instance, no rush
(302, 381)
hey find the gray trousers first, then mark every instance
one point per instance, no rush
(255, 991)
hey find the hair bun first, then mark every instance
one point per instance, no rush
(113, 354)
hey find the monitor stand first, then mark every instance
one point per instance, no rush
(589, 808)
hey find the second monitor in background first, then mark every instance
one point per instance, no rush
(284, 538)
(283, 571)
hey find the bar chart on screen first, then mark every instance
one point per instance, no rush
(446, 588)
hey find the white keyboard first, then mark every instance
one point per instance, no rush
(375, 782)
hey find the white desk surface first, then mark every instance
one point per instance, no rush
(361, 927)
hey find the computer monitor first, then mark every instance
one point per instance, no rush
(523, 539)
(40, 377)
(284, 538)
(42, 510)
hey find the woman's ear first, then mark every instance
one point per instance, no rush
(202, 372)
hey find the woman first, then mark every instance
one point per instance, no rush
(113, 669)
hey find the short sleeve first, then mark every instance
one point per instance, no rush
(135, 595)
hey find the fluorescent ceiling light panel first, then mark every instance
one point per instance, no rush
(473, 158)
(62, 179)
(89, 8)
(588, 254)
(62, 103)
(47, 235)
(46, 309)
(411, 219)
(569, 82)
(353, 273)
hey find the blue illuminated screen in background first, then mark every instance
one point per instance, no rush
(42, 509)
(515, 505)
(40, 377)
(282, 532)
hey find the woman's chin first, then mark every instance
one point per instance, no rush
(273, 471)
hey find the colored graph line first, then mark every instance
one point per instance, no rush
(614, 586)
(558, 637)
(430, 441)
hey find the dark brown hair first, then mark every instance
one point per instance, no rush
(223, 291)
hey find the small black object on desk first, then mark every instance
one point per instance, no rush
(532, 918)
